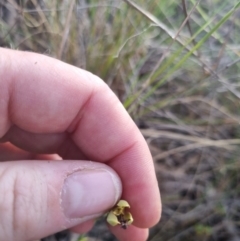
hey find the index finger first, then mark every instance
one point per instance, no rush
(42, 95)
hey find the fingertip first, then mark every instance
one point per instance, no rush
(140, 185)
(147, 216)
(129, 234)
(83, 227)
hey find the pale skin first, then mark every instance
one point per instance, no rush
(60, 111)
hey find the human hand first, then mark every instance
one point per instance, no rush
(50, 111)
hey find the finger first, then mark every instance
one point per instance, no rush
(55, 97)
(60, 143)
(9, 152)
(129, 234)
(44, 197)
(83, 227)
(145, 205)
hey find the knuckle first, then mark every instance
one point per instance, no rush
(18, 208)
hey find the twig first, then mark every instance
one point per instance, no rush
(66, 30)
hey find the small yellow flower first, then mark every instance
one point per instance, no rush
(119, 214)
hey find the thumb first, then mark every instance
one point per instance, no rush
(39, 198)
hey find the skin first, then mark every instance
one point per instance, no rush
(81, 119)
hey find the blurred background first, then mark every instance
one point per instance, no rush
(175, 66)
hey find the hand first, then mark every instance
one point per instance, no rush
(53, 116)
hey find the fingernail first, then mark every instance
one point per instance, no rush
(89, 192)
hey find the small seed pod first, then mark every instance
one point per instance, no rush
(119, 215)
